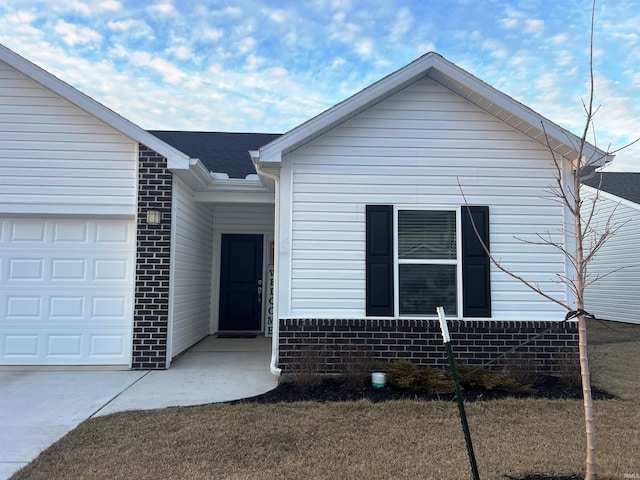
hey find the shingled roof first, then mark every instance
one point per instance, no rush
(220, 152)
(621, 184)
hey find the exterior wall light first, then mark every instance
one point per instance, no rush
(153, 217)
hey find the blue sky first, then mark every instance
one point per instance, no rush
(267, 66)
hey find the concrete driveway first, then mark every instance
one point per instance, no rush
(39, 407)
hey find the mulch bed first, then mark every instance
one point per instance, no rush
(338, 390)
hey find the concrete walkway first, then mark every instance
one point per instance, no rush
(39, 407)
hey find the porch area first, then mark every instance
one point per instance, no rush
(213, 370)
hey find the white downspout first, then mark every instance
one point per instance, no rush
(275, 339)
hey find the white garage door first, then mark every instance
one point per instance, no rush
(66, 291)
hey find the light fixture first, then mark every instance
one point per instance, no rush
(153, 217)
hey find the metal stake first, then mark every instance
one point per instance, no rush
(456, 380)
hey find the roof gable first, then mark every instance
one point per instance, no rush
(459, 81)
(176, 158)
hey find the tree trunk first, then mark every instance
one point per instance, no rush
(587, 400)
(590, 462)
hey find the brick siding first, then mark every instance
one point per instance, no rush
(473, 342)
(153, 253)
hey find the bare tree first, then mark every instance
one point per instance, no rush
(588, 239)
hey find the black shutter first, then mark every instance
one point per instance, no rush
(476, 280)
(379, 258)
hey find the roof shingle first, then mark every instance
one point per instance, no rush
(220, 152)
(621, 184)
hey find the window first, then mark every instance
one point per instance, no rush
(427, 259)
(438, 261)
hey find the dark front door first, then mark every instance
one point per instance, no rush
(241, 282)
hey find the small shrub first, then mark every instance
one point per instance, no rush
(406, 375)
(306, 370)
(480, 378)
(402, 374)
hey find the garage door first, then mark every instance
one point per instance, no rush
(66, 291)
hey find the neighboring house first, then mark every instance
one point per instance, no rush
(358, 212)
(614, 296)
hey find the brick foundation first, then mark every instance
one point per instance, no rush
(153, 253)
(473, 342)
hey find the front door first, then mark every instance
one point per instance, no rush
(241, 282)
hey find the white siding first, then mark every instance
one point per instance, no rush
(57, 159)
(410, 150)
(192, 262)
(239, 218)
(615, 296)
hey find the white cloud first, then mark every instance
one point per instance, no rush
(496, 49)
(338, 62)
(169, 72)
(109, 5)
(180, 50)
(73, 34)
(20, 17)
(364, 47)
(546, 82)
(254, 62)
(508, 23)
(403, 23)
(246, 45)
(164, 7)
(89, 8)
(564, 58)
(231, 11)
(133, 28)
(534, 25)
(212, 34)
(278, 16)
(339, 17)
(630, 38)
(560, 39)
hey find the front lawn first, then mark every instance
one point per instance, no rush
(363, 440)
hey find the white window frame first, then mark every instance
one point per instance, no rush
(397, 261)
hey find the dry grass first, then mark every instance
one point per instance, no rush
(394, 440)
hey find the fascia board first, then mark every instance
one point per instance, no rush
(176, 158)
(200, 172)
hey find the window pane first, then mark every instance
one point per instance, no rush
(425, 287)
(426, 234)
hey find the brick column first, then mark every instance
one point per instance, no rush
(153, 253)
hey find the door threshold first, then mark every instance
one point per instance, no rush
(230, 334)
